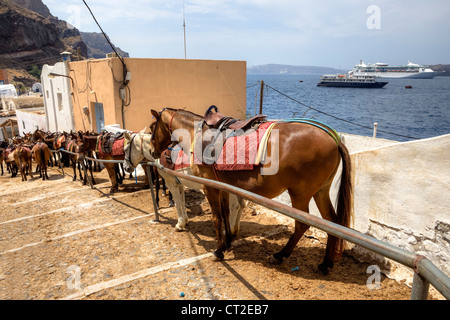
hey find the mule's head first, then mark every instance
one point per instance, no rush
(161, 136)
(132, 155)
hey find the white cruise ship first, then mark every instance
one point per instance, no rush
(383, 70)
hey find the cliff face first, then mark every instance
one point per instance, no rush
(34, 5)
(31, 35)
(34, 38)
(97, 45)
(26, 37)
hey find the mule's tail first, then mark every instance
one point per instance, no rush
(42, 156)
(345, 195)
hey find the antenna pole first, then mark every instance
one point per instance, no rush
(184, 30)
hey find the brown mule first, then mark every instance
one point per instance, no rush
(22, 156)
(308, 159)
(41, 153)
(90, 144)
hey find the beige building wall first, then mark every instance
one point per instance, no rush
(155, 84)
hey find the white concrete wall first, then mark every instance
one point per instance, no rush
(401, 196)
(29, 122)
(57, 98)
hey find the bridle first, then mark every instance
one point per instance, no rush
(131, 143)
(169, 128)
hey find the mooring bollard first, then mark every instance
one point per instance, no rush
(375, 126)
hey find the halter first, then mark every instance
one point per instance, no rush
(170, 122)
(131, 143)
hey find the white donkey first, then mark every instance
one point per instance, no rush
(138, 146)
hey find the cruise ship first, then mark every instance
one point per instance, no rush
(383, 70)
(350, 81)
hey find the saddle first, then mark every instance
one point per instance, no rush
(61, 139)
(216, 120)
(174, 158)
(219, 121)
(108, 140)
(111, 143)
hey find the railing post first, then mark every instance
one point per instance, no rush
(60, 164)
(420, 288)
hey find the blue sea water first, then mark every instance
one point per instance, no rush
(402, 114)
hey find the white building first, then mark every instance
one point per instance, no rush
(56, 88)
(28, 122)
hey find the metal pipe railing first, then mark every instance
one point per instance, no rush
(425, 272)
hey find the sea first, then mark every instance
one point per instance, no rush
(401, 114)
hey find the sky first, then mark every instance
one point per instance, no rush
(329, 33)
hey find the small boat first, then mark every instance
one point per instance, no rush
(408, 87)
(350, 81)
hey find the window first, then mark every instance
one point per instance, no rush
(59, 98)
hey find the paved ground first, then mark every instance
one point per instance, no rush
(62, 240)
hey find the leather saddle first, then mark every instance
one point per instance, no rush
(219, 121)
(108, 140)
(216, 120)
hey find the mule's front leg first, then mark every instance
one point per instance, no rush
(214, 200)
(177, 190)
(110, 167)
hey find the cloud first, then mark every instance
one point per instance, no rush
(279, 31)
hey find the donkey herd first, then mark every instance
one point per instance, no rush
(48, 149)
(308, 154)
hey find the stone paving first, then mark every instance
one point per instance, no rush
(62, 240)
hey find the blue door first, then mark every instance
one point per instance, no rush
(99, 116)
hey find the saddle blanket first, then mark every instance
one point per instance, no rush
(243, 152)
(117, 148)
(175, 152)
(60, 141)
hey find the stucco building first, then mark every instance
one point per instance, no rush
(90, 94)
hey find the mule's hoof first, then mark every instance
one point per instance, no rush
(179, 229)
(274, 260)
(218, 256)
(323, 267)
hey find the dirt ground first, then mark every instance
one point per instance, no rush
(62, 240)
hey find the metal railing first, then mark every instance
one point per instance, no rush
(425, 272)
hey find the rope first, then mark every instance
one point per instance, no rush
(338, 118)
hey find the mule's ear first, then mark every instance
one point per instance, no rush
(156, 114)
(143, 130)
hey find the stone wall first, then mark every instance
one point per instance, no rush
(401, 196)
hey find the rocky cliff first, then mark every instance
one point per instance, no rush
(31, 36)
(97, 45)
(26, 37)
(82, 44)
(288, 69)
